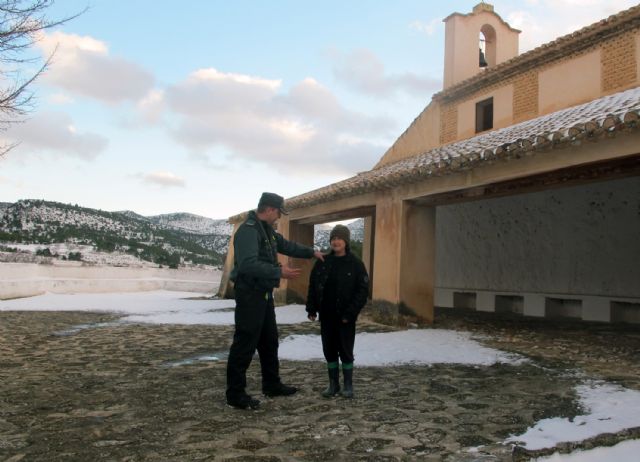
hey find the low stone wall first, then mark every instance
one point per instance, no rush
(25, 280)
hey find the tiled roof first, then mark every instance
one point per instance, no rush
(589, 122)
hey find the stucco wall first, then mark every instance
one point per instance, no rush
(28, 279)
(557, 91)
(580, 240)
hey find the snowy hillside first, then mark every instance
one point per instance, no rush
(174, 240)
(193, 223)
(4, 206)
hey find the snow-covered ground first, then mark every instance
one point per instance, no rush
(609, 408)
(627, 451)
(405, 347)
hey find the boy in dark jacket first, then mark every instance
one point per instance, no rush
(338, 289)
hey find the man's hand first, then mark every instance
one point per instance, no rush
(311, 317)
(319, 255)
(289, 273)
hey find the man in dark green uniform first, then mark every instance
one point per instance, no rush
(255, 274)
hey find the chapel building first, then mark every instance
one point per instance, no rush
(517, 189)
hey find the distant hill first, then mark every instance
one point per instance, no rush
(192, 223)
(171, 239)
(4, 206)
(164, 239)
(322, 232)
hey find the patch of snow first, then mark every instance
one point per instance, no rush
(626, 451)
(612, 408)
(416, 346)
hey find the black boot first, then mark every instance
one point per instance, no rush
(334, 381)
(279, 390)
(347, 371)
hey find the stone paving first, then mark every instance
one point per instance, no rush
(138, 392)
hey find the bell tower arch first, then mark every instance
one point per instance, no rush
(475, 42)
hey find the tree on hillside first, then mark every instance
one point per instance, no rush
(22, 23)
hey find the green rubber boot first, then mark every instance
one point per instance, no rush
(334, 381)
(347, 372)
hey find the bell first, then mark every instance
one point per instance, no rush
(483, 61)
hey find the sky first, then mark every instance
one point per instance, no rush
(608, 407)
(160, 107)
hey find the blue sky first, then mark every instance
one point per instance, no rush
(199, 109)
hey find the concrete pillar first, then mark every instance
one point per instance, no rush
(368, 247)
(404, 259)
(418, 261)
(534, 305)
(297, 288)
(443, 298)
(226, 286)
(386, 260)
(596, 309)
(485, 301)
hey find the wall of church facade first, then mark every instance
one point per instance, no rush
(557, 91)
(580, 240)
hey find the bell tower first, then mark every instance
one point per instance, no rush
(475, 42)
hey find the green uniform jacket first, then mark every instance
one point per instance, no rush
(256, 246)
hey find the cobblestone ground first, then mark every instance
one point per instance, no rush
(126, 393)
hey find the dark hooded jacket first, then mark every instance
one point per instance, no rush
(352, 290)
(256, 246)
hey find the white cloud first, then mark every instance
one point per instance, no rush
(362, 71)
(60, 99)
(55, 132)
(83, 66)
(208, 91)
(428, 28)
(215, 75)
(302, 129)
(165, 179)
(152, 106)
(550, 19)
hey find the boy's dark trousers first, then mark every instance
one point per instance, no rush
(338, 338)
(255, 328)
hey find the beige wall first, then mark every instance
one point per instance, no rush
(502, 111)
(638, 53)
(569, 83)
(29, 279)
